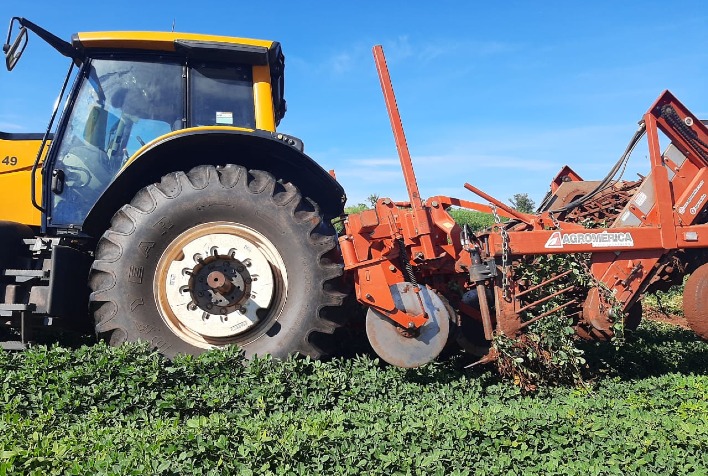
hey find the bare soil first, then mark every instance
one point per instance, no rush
(658, 315)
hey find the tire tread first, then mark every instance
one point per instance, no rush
(103, 282)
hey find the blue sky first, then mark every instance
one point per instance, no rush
(499, 95)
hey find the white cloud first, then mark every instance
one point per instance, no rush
(376, 162)
(398, 49)
(341, 63)
(10, 127)
(357, 56)
(500, 161)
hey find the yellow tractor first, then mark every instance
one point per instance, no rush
(163, 204)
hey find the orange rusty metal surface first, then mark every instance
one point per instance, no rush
(565, 175)
(397, 127)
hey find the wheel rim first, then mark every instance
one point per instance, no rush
(220, 283)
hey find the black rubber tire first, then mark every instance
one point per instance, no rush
(123, 300)
(633, 317)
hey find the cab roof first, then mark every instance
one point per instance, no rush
(161, 41)
(192, 45)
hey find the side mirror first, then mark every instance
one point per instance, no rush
(14, 51)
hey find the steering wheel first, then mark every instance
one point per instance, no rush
(78, 177)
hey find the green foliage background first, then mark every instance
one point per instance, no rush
(126, 410)
(476, 220)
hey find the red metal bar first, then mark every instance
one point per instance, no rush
(458, 202)
(547, 298)
(518, 215)
(546, 282)
(547, 313)
(397, 126)
(664, 200)
(539, 241)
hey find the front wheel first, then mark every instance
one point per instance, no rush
(218, 256)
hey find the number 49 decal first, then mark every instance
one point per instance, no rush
(9, 160)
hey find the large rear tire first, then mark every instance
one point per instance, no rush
(695, 301)
(218, 256)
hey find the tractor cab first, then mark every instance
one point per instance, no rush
(125, 101)
(131, 89)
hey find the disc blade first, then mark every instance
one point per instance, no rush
(397, 349)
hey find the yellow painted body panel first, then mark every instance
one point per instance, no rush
(15, 202)
(262, 98)
(150, 40)
(178, 133)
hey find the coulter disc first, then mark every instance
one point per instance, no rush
(393, 343)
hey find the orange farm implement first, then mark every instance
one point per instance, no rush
(421, 274)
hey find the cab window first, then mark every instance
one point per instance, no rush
(222, 95)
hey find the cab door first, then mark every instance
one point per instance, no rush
(122, 103)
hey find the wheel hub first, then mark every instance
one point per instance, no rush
(220, 284)
(218, 281)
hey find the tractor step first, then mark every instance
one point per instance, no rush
(27, 273)
(12, 345)
(7, 310)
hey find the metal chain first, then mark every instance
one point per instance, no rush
(505, 252)
(685, 131)
(556, 223)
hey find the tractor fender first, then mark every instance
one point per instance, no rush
(217, 146)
